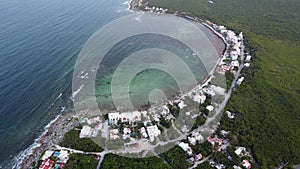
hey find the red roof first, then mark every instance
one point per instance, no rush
(246, 164)
(46, 164)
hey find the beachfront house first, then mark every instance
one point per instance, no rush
(130, 117)
(199, 98)
(113, 118)
(46, 164)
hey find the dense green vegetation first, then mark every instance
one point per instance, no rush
(80, 161)
(267, 103)
(270, 18)
(112, 161)
(176, 158)
(71, 140)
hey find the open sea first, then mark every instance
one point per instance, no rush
(39, 43)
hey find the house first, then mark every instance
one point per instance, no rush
(223, 31)
(219, 166)
(113, 136)
(126, 131)
(234, 52)
(240, 80)
(210, 108)
(186, 148)
(113, 118)
(234, 57)
(235, 63)
(199, 98)
(221, 27)
(114, 131)
(225, 68)
(230, 115)
(236, 167)
(153, 131)
(94, 120)
(192, 140)
(198, 157)
(85, 132)
(214, 140)
(47, 154)
(246, 164)
(191, 160)
(241, 35)
(240, 151)
(46, 164)
(181, 105)
(165, 110)
(224, 133)
(197, 136)
(143, 132)
(63, 157)
(248, 58)
(208, 91)
(129, 117)
(247, 64)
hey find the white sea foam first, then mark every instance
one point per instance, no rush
(18, 159)
(76, 92)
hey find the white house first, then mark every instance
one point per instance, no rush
(63, 156)
(240, 80)
(210, 108)
(47, 154)
(192, 140)
(153, 131)
(113, 118)
(208, 91)
(86, 131)
(230, 115)
(248, 58)
(181, 105)
(235, 63)
(199, 98)
(143, 132)
(239, 151)
(197, 136)
(241, 35)
(247, 64)
(186, 147)
(129, 117)
(234, 57)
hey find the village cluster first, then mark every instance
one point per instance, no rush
(146, 126)
(54, 159)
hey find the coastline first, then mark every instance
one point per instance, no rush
(49, 137)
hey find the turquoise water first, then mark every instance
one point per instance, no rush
(39, 43)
